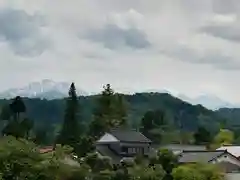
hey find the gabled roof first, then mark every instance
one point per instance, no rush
(132, 136)
(180, 147)
(234, 150)
(199, 156)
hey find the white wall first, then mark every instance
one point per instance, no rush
(107, 138)
(227, 158)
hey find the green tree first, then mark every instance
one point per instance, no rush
(21, 160)
(197, 172)
(202, 136)
(224, 137)
(187, 173)
(6, 112)
(110, 112)
(26, 125)
(84, 146)
(17, 107)
(98, 163)
(121, 110)
(153, 124)
(70, 132)
(41, 136)
(16, 126)
(167, 159)
(146, 173)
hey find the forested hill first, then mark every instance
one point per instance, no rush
(230, 114)
(48, 112)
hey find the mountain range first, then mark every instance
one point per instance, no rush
(46, 89)
(49, 89)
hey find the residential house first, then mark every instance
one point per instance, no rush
(227, 161)
(122, 144)
(178, 148)
(233, 149)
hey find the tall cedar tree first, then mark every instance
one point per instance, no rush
(70, 132)
(16, 126)
(17, 107)
(109, 113)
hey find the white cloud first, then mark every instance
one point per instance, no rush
(189, 46)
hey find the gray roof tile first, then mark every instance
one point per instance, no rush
(131, 136)
(199, 156)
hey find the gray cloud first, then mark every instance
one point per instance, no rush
(22, 32)
(114, 37)
(191, 68)
(213, 58)
(225, 7)
(226, 32)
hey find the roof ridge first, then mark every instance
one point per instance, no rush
(204, 150)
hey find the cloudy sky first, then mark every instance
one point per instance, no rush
(186, 46)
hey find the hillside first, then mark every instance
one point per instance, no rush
(231, 114)
(190, 116)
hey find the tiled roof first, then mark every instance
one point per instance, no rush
(180, 147)
(199, 156)
(234, 150)
(126, 135)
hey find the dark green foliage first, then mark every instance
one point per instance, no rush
(49, 113)
(84, 146)
(17, 107)
(6, 112)
(16, 126)
(167, 159)
(202, 136)
(98, 163)
(153, 124)
(110, 112)
(41, 137)
(70, 132)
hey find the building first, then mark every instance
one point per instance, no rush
(178, 148)
(121, 144)
(227, 161)
(235, 150)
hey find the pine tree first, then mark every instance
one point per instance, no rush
(16, 125)
(120, 111)
(17, 107)
(70, 132)
(109, 113)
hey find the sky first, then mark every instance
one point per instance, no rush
(185, 46)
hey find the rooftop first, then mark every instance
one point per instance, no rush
(126, 135)
(199, 156)
(233, 149)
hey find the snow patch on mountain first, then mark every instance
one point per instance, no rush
(47, 89)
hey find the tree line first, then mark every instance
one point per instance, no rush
(20, 158)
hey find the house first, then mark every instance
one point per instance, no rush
(227, 161)
(122, 144)
(233, 149)
(178, 148)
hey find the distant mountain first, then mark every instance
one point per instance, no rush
(46, 89)
(177, 111)
(209, 101)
